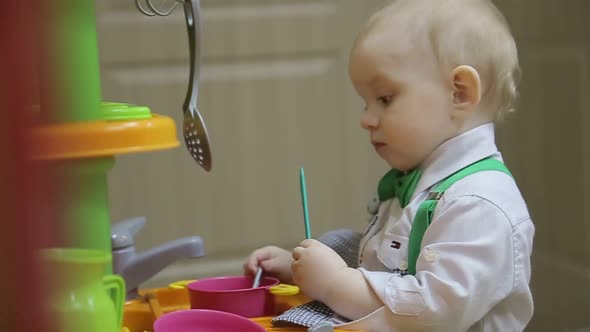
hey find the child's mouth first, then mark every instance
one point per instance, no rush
(378, 145)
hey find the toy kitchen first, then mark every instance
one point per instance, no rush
(95, 273)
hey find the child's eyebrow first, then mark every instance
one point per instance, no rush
(379, 80)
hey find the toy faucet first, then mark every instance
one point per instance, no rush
(136, 268)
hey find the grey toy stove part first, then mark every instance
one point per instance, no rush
(136, 268)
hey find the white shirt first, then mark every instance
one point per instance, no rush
(473, 270)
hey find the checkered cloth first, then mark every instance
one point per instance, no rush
(309, 314)
(346, 243)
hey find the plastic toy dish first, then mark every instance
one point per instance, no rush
(200, 320)
(233, 294)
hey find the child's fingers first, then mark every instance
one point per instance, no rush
(256, 258)
(249, 266)
(273, 265)
(308, 243)
(297, 252)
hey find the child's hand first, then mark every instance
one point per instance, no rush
(314, 267)
(275, 262)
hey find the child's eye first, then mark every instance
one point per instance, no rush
(385, 100)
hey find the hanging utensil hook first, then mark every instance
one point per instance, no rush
(152, 10)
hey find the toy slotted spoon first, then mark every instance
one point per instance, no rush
(194, 129)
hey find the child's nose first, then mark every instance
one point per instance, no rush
(369, 120)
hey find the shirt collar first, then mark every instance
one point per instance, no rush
(457, 153)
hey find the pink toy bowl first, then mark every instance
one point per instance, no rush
(204, 321)
(234, 295)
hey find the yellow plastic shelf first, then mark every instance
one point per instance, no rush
(138, 317)
(103, 138)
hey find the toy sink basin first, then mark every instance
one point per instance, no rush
(138, 317)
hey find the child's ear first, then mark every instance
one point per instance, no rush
(466, 87)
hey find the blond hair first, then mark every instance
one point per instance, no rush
(466, 32)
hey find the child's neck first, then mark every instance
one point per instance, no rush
(479, 117)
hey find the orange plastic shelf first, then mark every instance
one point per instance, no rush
(103, 138)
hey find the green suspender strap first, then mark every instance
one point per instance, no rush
(426, 210)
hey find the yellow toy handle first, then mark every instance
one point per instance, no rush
(280, 289)
(181, 284)
(117, 284)
(284, 290)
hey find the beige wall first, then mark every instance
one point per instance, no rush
(275, 96)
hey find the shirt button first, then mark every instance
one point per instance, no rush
(403, 265)
(430, 255)
(373, 204)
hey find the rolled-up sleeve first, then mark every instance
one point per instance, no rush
(465, 267)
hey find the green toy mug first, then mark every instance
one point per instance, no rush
(80, 297)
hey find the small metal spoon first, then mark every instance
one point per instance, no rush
(257, 278)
